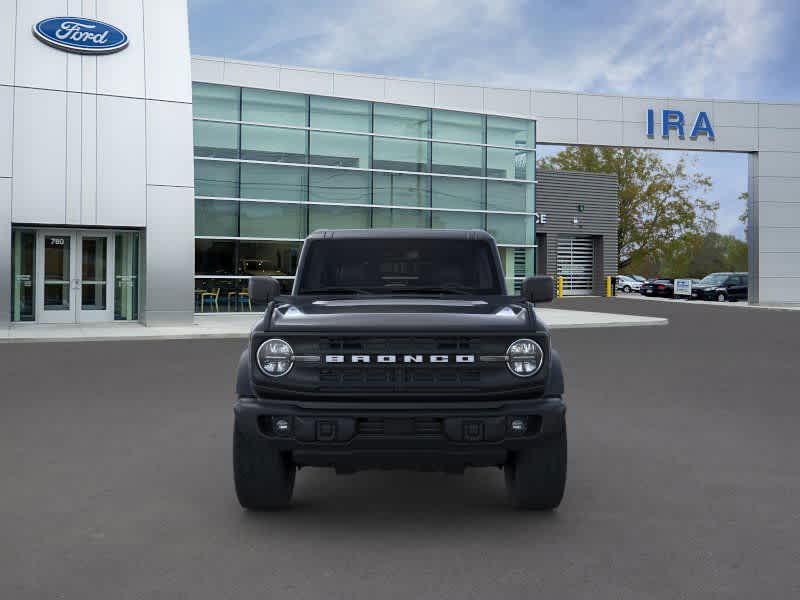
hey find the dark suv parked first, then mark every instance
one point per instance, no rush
(721, 287)
(400, 349)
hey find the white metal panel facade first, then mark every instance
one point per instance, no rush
(40, 146)
(73, 128)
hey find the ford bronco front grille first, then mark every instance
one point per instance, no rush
(402, 364)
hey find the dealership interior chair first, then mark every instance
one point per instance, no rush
(210, 299)
(244, 299)
(231, 296)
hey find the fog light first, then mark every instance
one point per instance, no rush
(518, 425)
(281, 426)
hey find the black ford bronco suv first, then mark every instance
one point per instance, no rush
(399, 348)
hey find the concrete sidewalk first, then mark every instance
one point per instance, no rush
(238, 326)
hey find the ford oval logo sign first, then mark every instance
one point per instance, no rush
(76, 34)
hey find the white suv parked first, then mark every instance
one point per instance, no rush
(627, 284)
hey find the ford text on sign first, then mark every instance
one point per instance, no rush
(84, 36)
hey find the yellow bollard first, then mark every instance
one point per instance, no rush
(560, 290)
(608, 287)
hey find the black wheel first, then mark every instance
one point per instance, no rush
(721, 297)
(264, 477)
(627, 289)
(535, 477)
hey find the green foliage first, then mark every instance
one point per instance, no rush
(660, 203)
(745, 216)
(694, 255)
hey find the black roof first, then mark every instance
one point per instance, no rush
(390, 233)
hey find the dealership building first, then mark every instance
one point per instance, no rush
(139, 183)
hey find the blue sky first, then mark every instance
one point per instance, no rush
(740, 49)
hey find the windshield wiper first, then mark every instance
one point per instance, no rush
(433, 290)
(337, 290)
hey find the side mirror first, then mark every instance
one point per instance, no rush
(263, 289)
(538, 288)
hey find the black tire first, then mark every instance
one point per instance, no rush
(627, 289)
(721, 297)
(263, 477)
(535, 477)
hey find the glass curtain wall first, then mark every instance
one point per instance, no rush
(272, 166)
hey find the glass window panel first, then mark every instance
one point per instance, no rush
(507, 131)
(337, 113)
(276, 259)
(274, 182)
(509, 164)
(407, 121)
(338, 185)
(216, 217)
(400, 155)
(507, 195)
(281, 108)
(457, 159)
(57, 272)
(94, 285)
(517, 263)
(401, 190)
(220, 140)
(263, 219)
(273, 144)
(126, 276)
(214, 257)
(221, 295)
(457, 126)
(393, 217)
(215, 178)
(510, 229)
(339, 150)
(456, 220)
(215, 101)
(338, 217)
(23, 260)
(452, 192)
(93, 258)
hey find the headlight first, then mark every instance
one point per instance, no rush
(275, 357)
(524, 358)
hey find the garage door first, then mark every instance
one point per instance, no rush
(576, 264)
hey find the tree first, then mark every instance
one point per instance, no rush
(696, 255)
(659, 202)
(745, 216)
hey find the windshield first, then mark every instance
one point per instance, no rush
(399, 266)
(714, 279)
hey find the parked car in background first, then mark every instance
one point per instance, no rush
(638, 278)
(722, 287)
(627, 284)
(662, 288)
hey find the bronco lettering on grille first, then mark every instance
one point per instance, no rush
(398, 358)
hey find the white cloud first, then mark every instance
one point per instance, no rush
(687, 47)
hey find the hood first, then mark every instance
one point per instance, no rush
(494, 314)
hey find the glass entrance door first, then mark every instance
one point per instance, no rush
(94, 302)
(55, 277)
(74, 272)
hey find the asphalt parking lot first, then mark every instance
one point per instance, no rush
(684, 479)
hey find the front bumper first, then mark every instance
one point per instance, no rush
(443, 436)
(705, 294)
